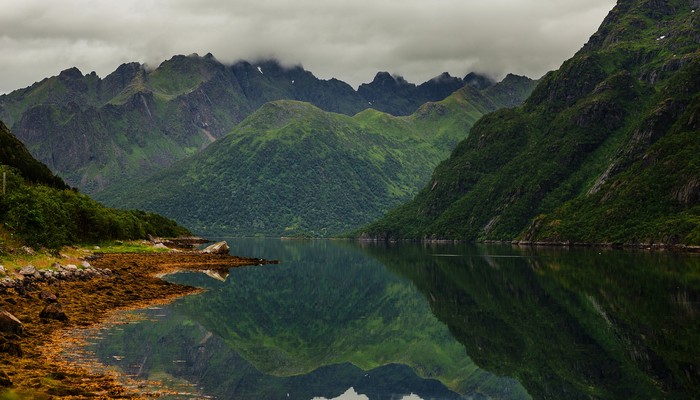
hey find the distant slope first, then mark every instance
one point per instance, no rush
(293, 169)
(94, 132)
(606, 148)
(38, 209)
(14, 154)
(394, 95)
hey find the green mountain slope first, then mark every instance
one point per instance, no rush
(38, 208)
(291, 168)
(604, 150)
(94, 132)
(14, 154)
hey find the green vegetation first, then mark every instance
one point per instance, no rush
(95, 132)
(291, 169)
(42, 216)
(38, 209)
(604, 150)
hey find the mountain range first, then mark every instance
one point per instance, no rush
(293, 169)
(94, 132)
(605, 150)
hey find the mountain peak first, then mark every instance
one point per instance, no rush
(478, 81)
(71, 73)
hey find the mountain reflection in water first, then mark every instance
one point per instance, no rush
(338, 319)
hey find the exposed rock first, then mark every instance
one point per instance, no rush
(85, 264)
(48, 297)
(10, 324)
(27, 250)
(30, 271)
(3, 271)
(160, 246)
(7, 282)
(689, 194)
(69, 268)
(53, 311)
(217, 248)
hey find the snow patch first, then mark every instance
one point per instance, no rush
(292, 81)
(662, 37)
(260, 70)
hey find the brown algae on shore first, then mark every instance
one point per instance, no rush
(43, 368)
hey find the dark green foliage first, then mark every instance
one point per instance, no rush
(14, 154)
(44, 216)
(291, 169)
(604, 150)
(40, 210)
(566, 323)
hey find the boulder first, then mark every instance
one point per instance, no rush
(217, 248)
(48, 297)
(53, 311)
(10, 324)
(160, 246)
(3, 271)
(69, 268)
(29, 271)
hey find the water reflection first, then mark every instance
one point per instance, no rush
(338, 320)
(327, 319)
(567, 323)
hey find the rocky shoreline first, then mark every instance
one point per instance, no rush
(39, 309)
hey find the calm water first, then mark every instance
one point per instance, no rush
(350, 321)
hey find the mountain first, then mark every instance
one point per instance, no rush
(14, 154)
(293, 169)
(605, 150)
(396, 96)
(95, 132)
(37, 208)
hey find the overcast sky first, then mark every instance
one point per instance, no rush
(347, 39)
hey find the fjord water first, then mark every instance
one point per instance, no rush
(347, 320)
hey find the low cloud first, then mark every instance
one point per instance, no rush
(347, 40)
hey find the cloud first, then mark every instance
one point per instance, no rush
(349, 40)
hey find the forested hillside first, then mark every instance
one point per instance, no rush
(606, 148)
(292, 169)
(37, 208)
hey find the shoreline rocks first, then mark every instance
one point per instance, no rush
(10, 324)
(29, 274)
(217, 248)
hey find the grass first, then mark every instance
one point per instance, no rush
(44, 259)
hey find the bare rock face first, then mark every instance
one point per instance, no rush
(29, 271)
(53, 311)
(10, 324)
(217, 248)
